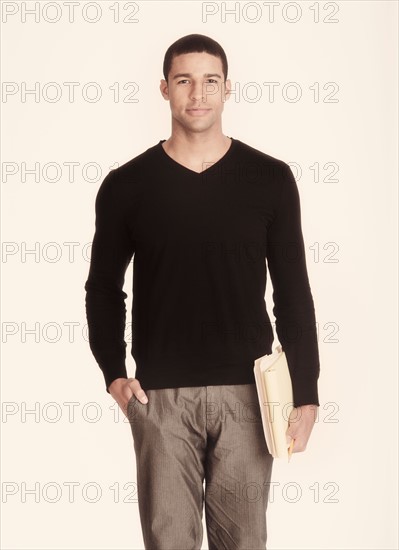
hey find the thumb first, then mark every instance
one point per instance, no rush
(141, 394)
(138, 390)
(288, 436)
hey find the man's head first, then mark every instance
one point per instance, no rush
(195, 70)
(194, 43)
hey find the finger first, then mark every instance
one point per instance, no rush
(299, 446)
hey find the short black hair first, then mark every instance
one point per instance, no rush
(194, 43)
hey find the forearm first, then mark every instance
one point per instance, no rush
(106, 318)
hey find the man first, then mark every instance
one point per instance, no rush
(201, 213)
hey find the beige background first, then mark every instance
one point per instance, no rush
(352, 454)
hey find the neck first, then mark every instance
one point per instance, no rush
(197, 145)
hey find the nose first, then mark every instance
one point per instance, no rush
(198, 92)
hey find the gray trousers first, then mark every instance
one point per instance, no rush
(184, 436)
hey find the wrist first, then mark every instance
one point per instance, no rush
(116, 384)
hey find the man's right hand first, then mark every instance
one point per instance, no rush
(123, 389)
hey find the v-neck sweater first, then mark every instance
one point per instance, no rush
(201, 245)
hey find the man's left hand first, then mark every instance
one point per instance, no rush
(300, 425)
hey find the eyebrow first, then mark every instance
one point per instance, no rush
(206, 75)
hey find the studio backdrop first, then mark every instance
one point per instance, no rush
(313, 84)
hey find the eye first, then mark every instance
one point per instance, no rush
(209, 80)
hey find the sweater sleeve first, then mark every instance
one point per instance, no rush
(293, 302)
(111, 252)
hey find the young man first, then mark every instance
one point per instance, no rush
(201, 212)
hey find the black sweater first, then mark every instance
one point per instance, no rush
(200, 242)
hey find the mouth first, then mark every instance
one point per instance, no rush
(197, 112)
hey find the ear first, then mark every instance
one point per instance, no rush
(163, 86)
(227, 89)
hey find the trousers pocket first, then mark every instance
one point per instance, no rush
(133, 407)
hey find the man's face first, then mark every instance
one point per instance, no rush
(195, 81)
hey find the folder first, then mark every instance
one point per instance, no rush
(274, 388)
